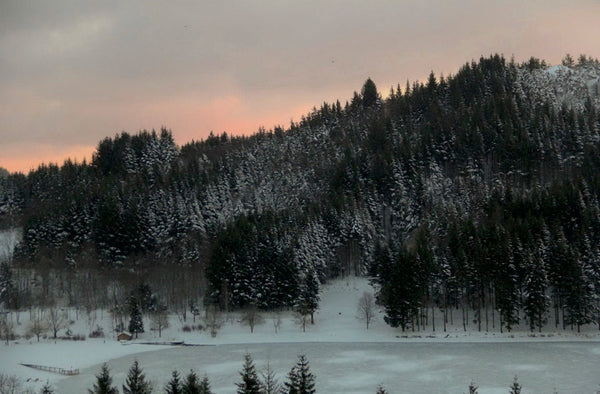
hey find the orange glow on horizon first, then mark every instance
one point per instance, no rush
(186, 129)
(38, 155)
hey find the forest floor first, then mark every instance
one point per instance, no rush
(345, 356)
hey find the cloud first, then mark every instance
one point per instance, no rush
(74, 70)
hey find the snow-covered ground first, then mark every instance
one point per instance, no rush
(345, 356)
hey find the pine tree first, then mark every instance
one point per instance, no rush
(136, 381)
(136, 322)
(269, 383)
(369, 93)
(191, 384)
(103, 383)
(205, 386)
(515, 387)
(47, 389)
(473, 388)
(250, 383)
(381, 390)
(300, 379)
(308, 300)
(7, 287)
(292, 383)
(174, 385)
(536, 301)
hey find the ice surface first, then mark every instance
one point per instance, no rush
(345, 356)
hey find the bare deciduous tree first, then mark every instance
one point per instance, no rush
(10, 384)
(277, 321)
(6, 330)
(366, 308)
(56, 319)
(302, 319)
(251, 317)
(37, 326)
(160, 320)
(213, 319)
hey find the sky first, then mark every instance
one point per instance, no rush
(73, 72)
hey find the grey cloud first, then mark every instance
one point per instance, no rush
(85, 68)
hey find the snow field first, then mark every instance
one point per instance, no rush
(345, 357)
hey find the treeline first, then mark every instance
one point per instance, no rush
(300, 380)
(347, 189)
(529, 256)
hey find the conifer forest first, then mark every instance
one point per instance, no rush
(474, 196)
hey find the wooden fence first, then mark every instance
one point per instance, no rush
(61, 371)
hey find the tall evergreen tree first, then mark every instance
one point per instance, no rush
(381, 390)
(269, 383)
(136, 322)
(136, 382)
(103, 383)
(473, 388)
(174, 384)
(535, 287)
(308, 299)
(205, 386)
(515, 387)
(300, 378)
(369, 93)
(250, 383)
(191, 384)
(7, 286)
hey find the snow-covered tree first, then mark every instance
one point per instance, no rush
(173, 386)
(136, 382)
(136, 322)
(191, 385)
(205, 386)
(515, 387)
(103, 383)
(250, 383)
(300, 379)
(308, 299)
(268, 382)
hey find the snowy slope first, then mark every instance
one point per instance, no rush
(570, 86)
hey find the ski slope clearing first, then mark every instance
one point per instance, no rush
(342, 353)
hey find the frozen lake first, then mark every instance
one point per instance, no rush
(402, 367)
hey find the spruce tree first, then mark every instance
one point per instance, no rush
(381, 390)
(473, 388)
(47, 389)
(191, 384)
(269, 383)
(515, 387)
(136, 382)
(292, 383)
(534, 290)
(205, 386)
(308, 301)
(136, 322)
(369, 93)
(103, 383)
(300, 379)
(174, 385)
(250, 383)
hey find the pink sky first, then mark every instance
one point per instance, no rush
(73, 72)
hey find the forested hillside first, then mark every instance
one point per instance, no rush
(477, 191)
